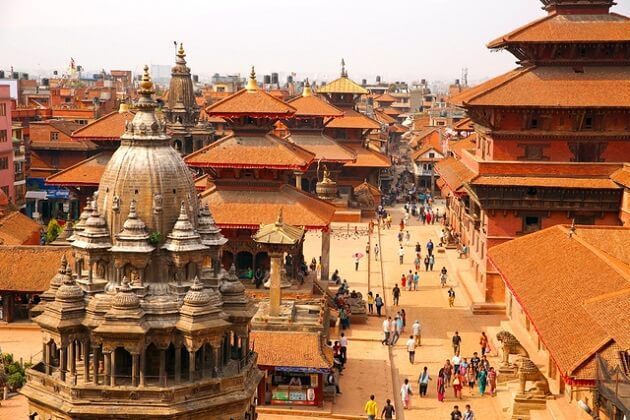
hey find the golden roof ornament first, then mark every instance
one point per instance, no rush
(180, 52)
(252, 85)
(146, 85)
(307, 89)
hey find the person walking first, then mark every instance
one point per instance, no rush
(343, 341)
(388, 411)
(403, 280)
(356, 262)
(426, 262)
(458, 383)
(423, 381)
(484, 343)
(416, 280)
(405, 394)
(474, 362)
(411, 349)
(386, 329)
(407, 237)
(418, 248)
(343, 318)
(456, 414)
(403, 317)
(409, 280)
(416, 330)
(401, 254)
(370, 302)
(417, 262)
(471, 376)
(457, 342)
(397, 330)
(376, 251)
(443, 276)
(451, 297)
(370, 408)
(492, 381)
(431, 262)
(468, 414)
(430, 247)
(448, 373)
(378, 302)
(441, 389)
(482, 380)
(396, 294)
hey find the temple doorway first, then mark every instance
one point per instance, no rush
(122, 368)
(262, 261)
(244, 261)
(227, 259)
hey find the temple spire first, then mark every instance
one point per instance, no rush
(307, 89)
(252, 85)
(181, 54)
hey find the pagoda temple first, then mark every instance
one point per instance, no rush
(250, 171)
(549, 134)
(352, 130)
(307, 130)
(143, 324)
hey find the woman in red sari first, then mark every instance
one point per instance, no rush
(440, 386)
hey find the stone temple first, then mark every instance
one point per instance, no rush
(144, 323)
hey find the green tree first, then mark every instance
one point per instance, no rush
(53, 230)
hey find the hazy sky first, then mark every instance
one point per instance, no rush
(400, 40)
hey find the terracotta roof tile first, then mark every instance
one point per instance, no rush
(88, 172)
(553, 86)
(383, 117)
(353, 119)
(17, 229)
(30, 268)
(464, 124)
(385, 98)
(536, 181)
(551, 275)
(108, 127)
(397, 128)
(37, 162)
(314, 106)
(306, 349)
(454, 173)
(391, 111)
(343, 85)
(611, 312)
(622, 176)
(322, 146)
(235, 207)
(569, 28)
(368, 158)
(431, 141)
(467, 143)
(244, 102)
(257, 150)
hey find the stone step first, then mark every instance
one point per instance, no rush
(483, 308)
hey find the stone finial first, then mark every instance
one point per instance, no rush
(69, 291)
(181, 53)
(146, 85)
(125, 298)
(196, 295)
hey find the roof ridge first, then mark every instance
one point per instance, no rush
(82, 162)
(607, 295)
(503, 38)
(590, 353)
(244, 90)
(516, 73)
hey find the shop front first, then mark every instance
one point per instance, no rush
(295, 365)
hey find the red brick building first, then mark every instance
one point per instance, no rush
(549, 134)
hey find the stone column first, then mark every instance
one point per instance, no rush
(86, 362)
(96, 350)
(162, 367)
(107, 359)
(216, 366)
(134, 369)
(143, 363)
(178, 364)
(63, 362)
(325, 253)
(47, 358)
(112, 368)
(71, 359)
(203, 361)
(191, 365)
(298, 180)
(275, 293)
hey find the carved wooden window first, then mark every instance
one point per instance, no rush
(533, 152)
(531, 223)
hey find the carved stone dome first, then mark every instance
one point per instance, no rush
(69, 291)
(125, 298)
(146, 168)
(196, 295)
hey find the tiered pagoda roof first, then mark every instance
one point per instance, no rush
(87, 173)
(353, 119)
(343, 85)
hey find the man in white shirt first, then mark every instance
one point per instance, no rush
(416, 329)
(456, 361)
(401, 254)
(386, 330)
(411, 348)
(343, 342)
